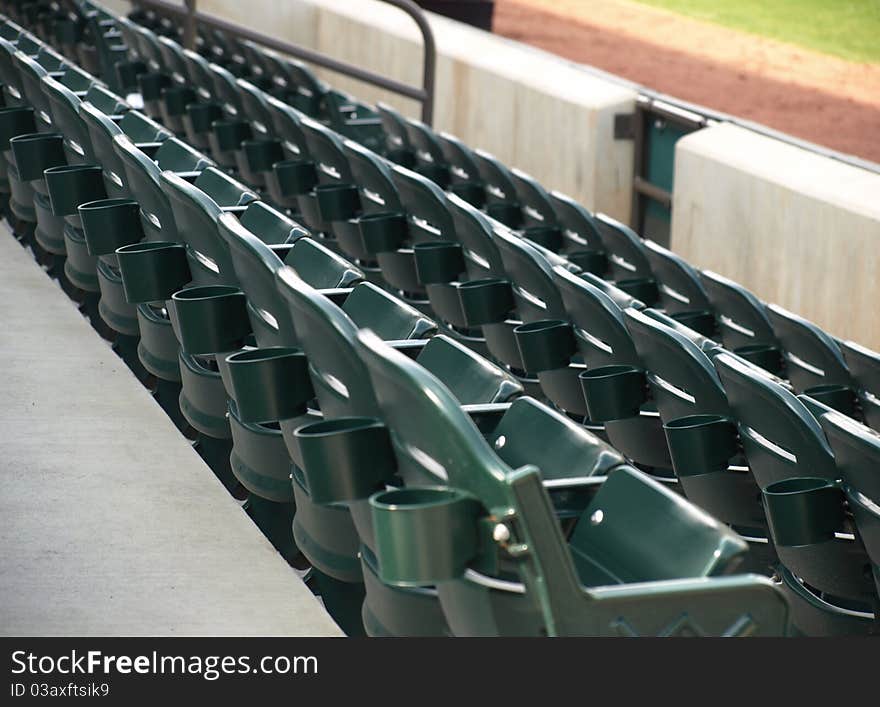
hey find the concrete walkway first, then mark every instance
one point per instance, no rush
(110, 523)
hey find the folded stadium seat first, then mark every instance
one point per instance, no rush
(115, 222)
(681, 292)
(486, 536)
(464, 174)
(102, 48)
(856, 454)
(595, 309)
(33, 154)
(159, 262)
(106, 44)
(260, 458)
(501, 200)
(256, 244)
(176, 97)
(82, 185)
(151, 82)
(676, 371)
(390, 236)
(398, 147)
(211, 287)
(334, 196)
(22, 74)
(258, 153)
(582, 243)
(743, 324)
(864, 365)
(353, 119)
(323, 526)
(430, 160)
(825, 569)
(628, 261)
(371, 174)
(233, 128)
(814, 362)
(146, 134)
(463, 274)
(538, 221)
(294, 175)
(201, 113)
(306, 92)
(534, 305)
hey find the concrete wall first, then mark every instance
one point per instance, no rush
(797, 228)
(531, 109)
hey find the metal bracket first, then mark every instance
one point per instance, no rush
(624, 126)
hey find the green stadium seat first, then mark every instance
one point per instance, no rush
(514, 577)
(823, 563)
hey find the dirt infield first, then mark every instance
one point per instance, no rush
(815, 97)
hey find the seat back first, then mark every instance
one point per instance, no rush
(742, 317)
(144, 178)
(595, 308)
(626, 250)
(681, 375)
(256, 265)
(196, 207)
(781, 438)
(579, 227)
(679, 282)
(812, 356)
(531, 277)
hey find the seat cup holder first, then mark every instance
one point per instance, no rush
(613, 392)
(764, 356)
(701, 444)
(383, 231)
(337, 202)
(641, 288)
(227, 135)
(485, 301)
(591, 261)
(127, 73)
(269, 384)
(437, 173)
(153, 271)
(109, 224)
(151, 85)
(545, 345)
(804, 510)
(177, 98)
(72, 185)
(200, 117)
(472, 192)
(508, 212)
(293, 177)
(209, 319)
(345, 459)
(424, 535)
(438, 262)
(549, 237)
(260, 155)
(701, 321)
(37, 152)
(839, 397)
(15, 121)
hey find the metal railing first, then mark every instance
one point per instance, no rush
(192, 19)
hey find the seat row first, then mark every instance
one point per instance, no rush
(539, 313)
(452, 517)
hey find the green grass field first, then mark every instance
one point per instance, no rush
(849, 29)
